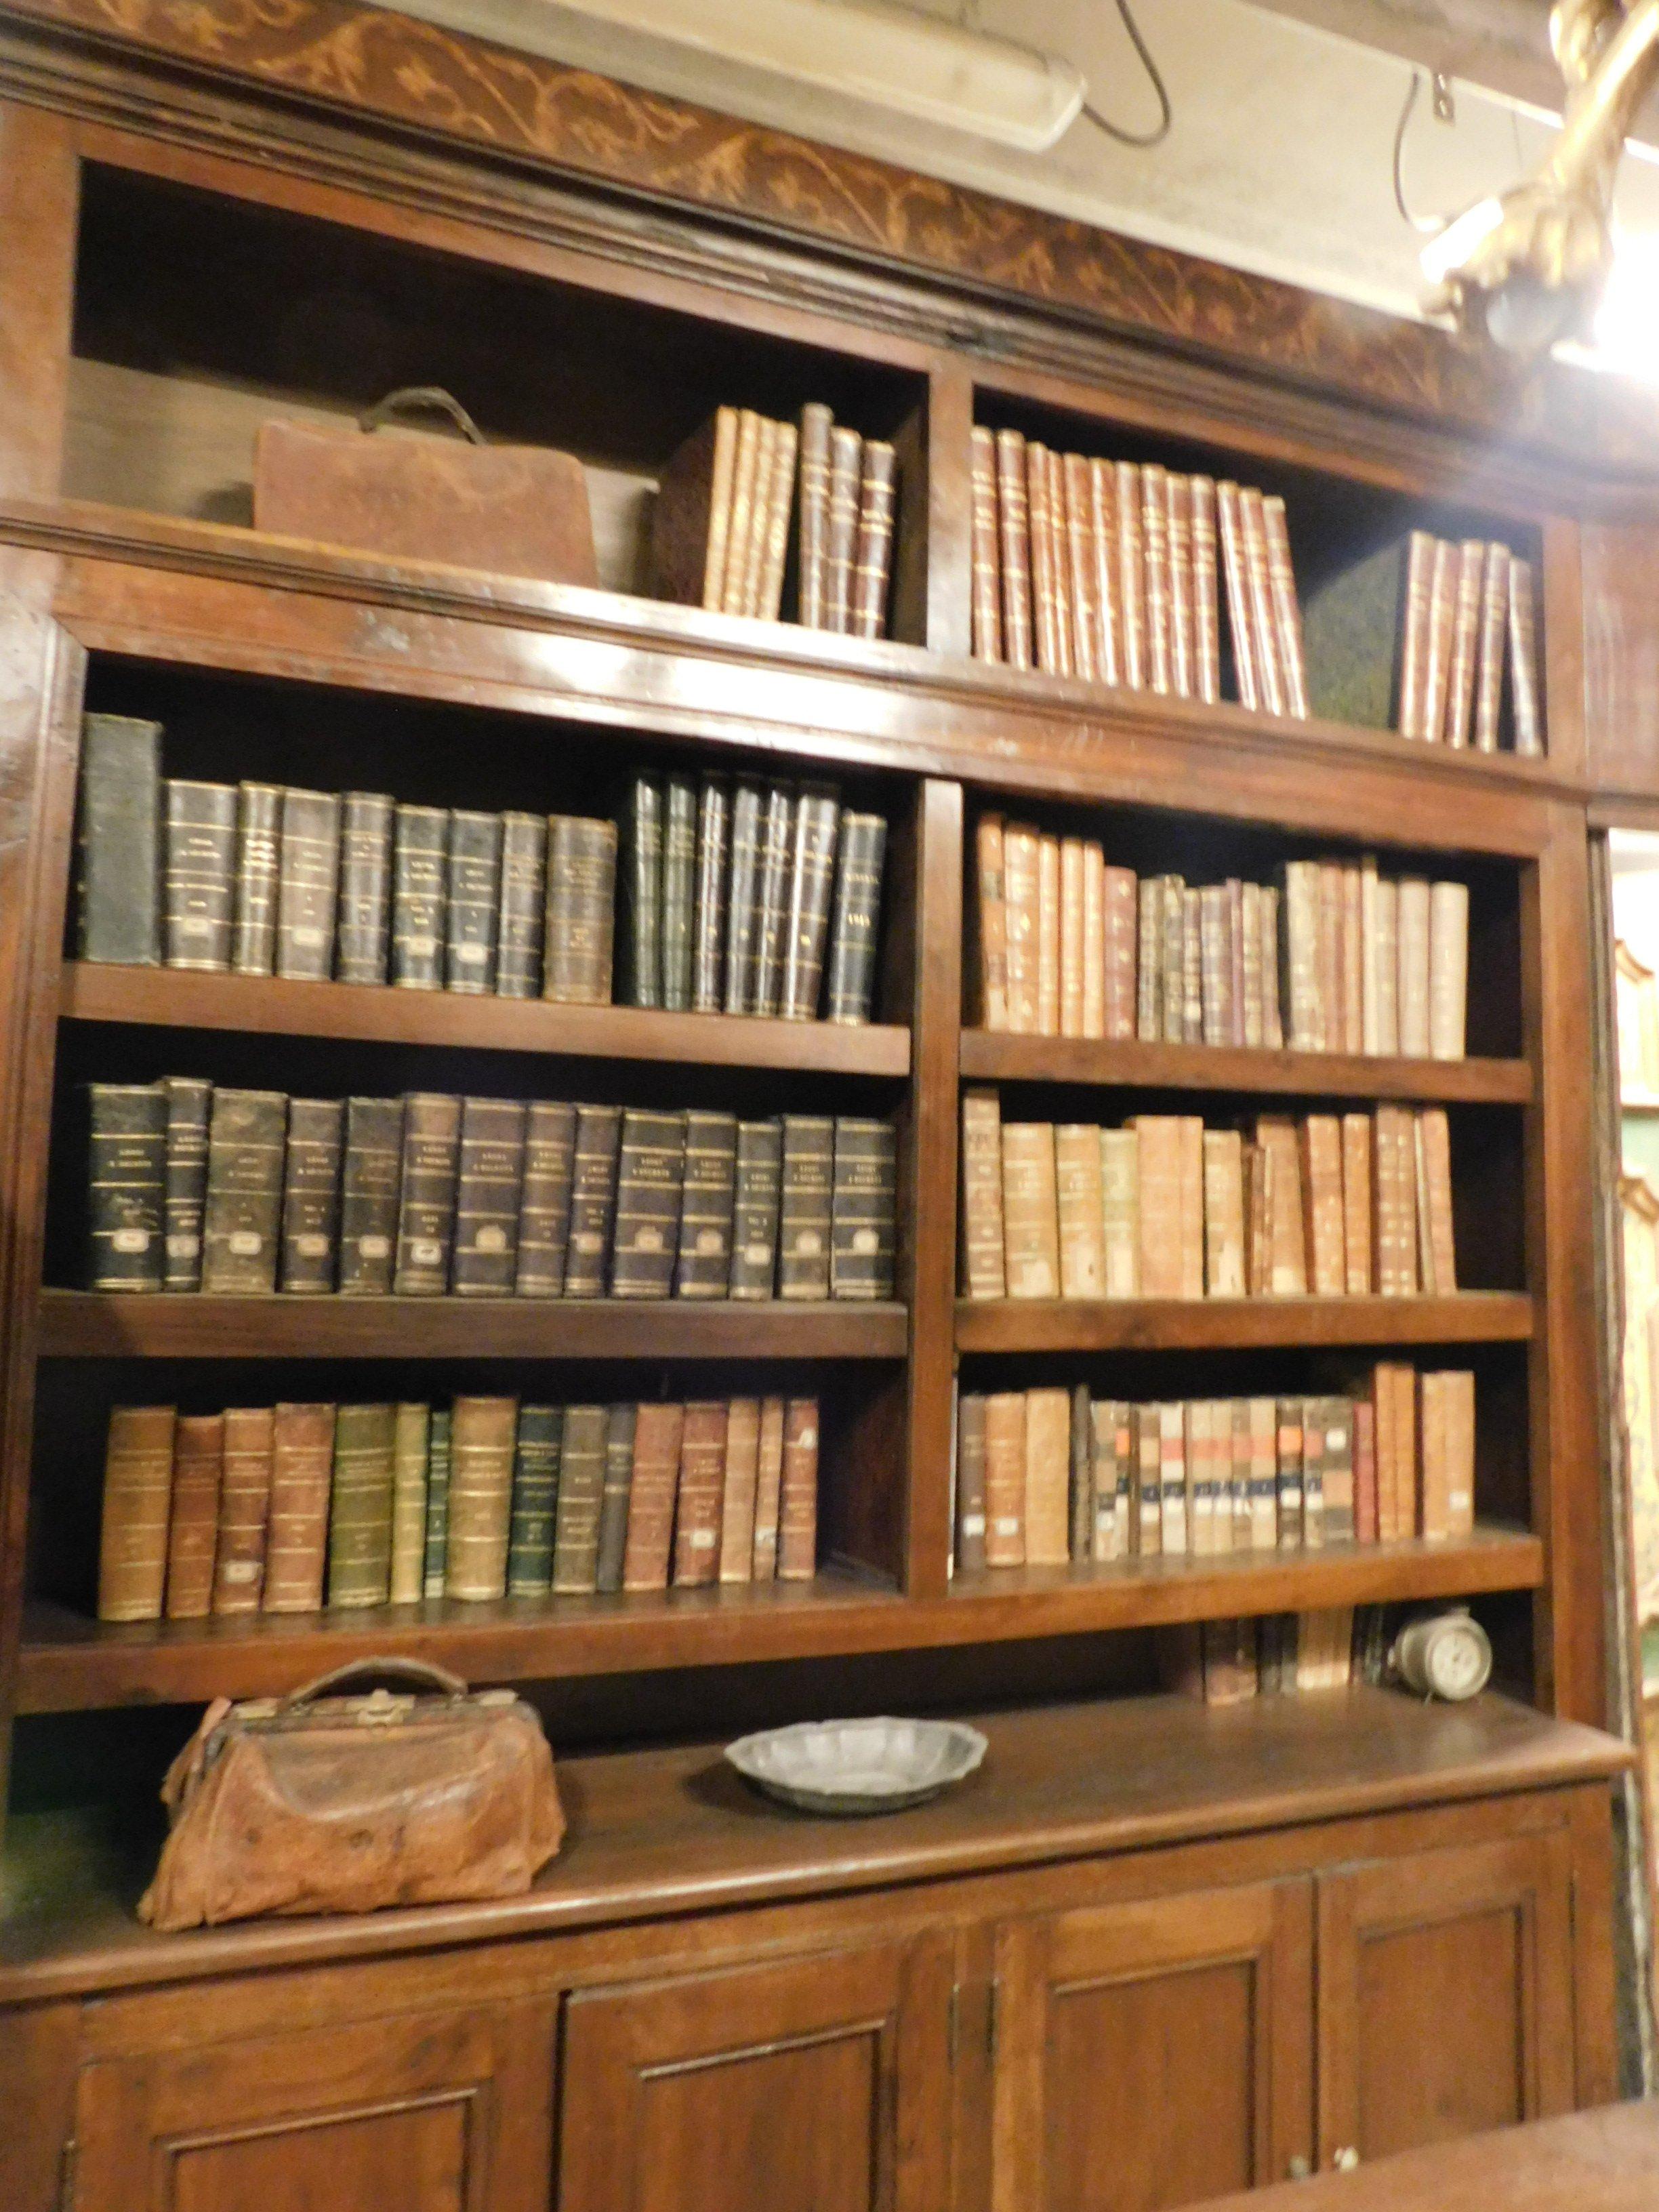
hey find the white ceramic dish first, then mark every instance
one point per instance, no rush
(858, 1766)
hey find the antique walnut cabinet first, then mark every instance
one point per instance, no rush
(1151, 1953)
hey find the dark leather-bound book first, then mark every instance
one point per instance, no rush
(642, 893)
(200, 874)
(301, 1474)
(474, 896)
(544, 1199)
(739, 1486)
(862, 1209)
(814, 515)
(535, 1501)
(840, 535)
(199, 1444)
(1013, 511)
(809, 1151)
(132, 1549)
(798, 1509)
(986, 550)
(679, 877)
(426, 1203)
(369, 1176)
(709, 912)
(253, 931)
(420, 876)
(593, 1200)
(855, 930)
(873, 546)
(360, 1507)
(970, 1483)
(311, 1194)
(581, 1491)
(307, 884)
(701, 1483)
(772, 929)
(1082, 1497)
(817, 815)
(650, 1163)
(742, 900)
(486, 1262)
(581, 903)
(758, 1179)
(189, 1104)
(435, 1564)
(482, 1435)
(247, 1142)
(524, 906)
(619, 1430)
(656, 1479)
(704, 1266)
(120, 842)
(364, 929)
(691, 515)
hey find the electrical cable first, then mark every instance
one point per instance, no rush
(1166, 113)
(1425, 226)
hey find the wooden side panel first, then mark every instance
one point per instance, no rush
(39, 195)
(38, 2048)
(1620, 563)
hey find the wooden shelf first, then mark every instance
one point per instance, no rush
(277, 1005)
(89, 1325)
(1220, 1324)
(995, 1055)
(69, 1662)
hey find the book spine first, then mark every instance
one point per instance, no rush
(365, 918)
(473, 902)
(311, 1194)
(1207, 628)
(439, 1438)
(970, 1483)
(1258, 585)
(523, 907)
(863, 1217)
(1004, 1478)
(189, 1102)
(813, 529)
(1094, 940)
(986, 548)
(742, 900)
(746, 556)
(991, 922)
(643, 891)
(1231, 531)
(709, 912)
(701, 1483)
(1175, 960)
(851, 982)
(1014, 526)
(1082, 574)
(806, 1207)
(798, 1508)
(487, 1198)
(1047, 936)
(410, 1435)
(872, 552)
(1131, 573)
(1109, 598)
(703, 1269)
(544, 1199)
(482, 1432)
(1021, 889)
(426, 1204)
(620, 1427)
(768, 1489)
(758, 1183)
(132, 1551)
(253, 928)
(1155, 541)
(1178, 524)
(360, 1506)
(199, 1448)
(369, 1176)
(581, 897)
(201, 873)
(679, 868)
(1071, 937)
(1080, 1205)
(1489, 679)
(1045, 612)
(246, 1142)
(1030, 1210)
(593, 1200)
(119, 841)
(818, 816)
(1411, 715)
(1449, 968)
(301, 1474)
(307, 884)
(745, 467)
(781, 504)
(535, 1501)
(420, 876)
(1443, 616)
(840, 532)
(1526, 702)
(1120, 1180)
(1357, 1204)
(651, 1166)
(772, 929)
(1466, 641)
(1272, 1026)
(1286, 608)
(658, 1433)
(738, 1489)
(983, 1274)
(1365, 1471)
(1059, 566)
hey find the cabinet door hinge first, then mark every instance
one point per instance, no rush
(993, 2008)
(66, 2169)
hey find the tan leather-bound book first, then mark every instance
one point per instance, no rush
(657, 1434)
(1155, 555)
(872, 548)
(1045, 602)
(1119, 1179)
(1526, 702)
(1332, 1013)
(1434, 1172)
(986, 548)
(1258, 584)
(1094, 940)
(1030, 1210)
(1175, 1523)
(1081, 1208)
(1286, 609)
(1113, 1469)
(1049, 937)
(983, 1272)
(1322, 1175)
(1384, 1446)
(301, 1475)
(1395, 1208)
(1200, 1471)
(410, 1447)
(1235, 890)
(1082, 576)
(1442, 622)
(1367, 955)
(1408, 1489)
(1071, 937)
(738, 1490)
(1412, 935)
(691, 515)
(1158, 1142)
(1272, 1022)
(1489, 661)
(1215, 1010)
(798, 1511)
(1364, 1471)
(1457, 1392)
(1109, 604)
(1130, 574)
(239, 1574)
(779, 510)
(132, 1551)
(1047, 1477)
(198, 1455)
(1411, 703)
(1149, 966)
(813, 531)
(841, 536)
(768, 1489)
(482, 1435)
(1206, 626)
(1121, 896)
(1357, 1204)
(744, 583)
(1305, 999)
(1449, 969)
(1192, 1206)
(1466, 643)
(1060, 565)
(1178, 525)
(702, 1487)
(1004, 1478)
(1386, 974)
(1353, 959)
(745, 468)
(1434, 1507)
(1147, 1512)
(1286, 1240)
(1021, 880)
(1014, 523)
(991, 923)
(969, 1553)
(1189, 968)
(1223, 1213)
(1263, 1495)
(1231, 530)
(1258, 1222)
(1238, 1411)
(1250, 953)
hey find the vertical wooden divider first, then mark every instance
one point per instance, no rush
(950, 509)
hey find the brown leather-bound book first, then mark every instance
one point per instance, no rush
(650, 1176)
(1080, 1205)
(1394, 1203)
(1411, 712)
(1434, 1170)
(1004, 1478)
(813, 527)
(1175, 1531)
(1364, 1471)
(1413, 946)
(1457, 1394)
(544, 1198)
(1013, 519)
(239, 1575)
(738, 1491)
(1159, 1139)
(1082, 576)
(1022, 886)
(1449, 968)
(1045, 602)
(1272, 1025)
(706, 1193)
(691, 515)
(1353, 936)
(1258, 585)
(1174, 959)
(1191, 971)
(1409, 1490)
(769, 603)
(1235, 890)
(1291, 1456)
(198, 1452)
(1148, 967)
(701, 1482)
(1258, 1221)
(1386, 1451)
(864, 1209)
(480, 1496)
(1192, 1206)
(1332, 1014)
(740, 523)
(1059, 561)
(1030, 1210)
(1230, 527)
(1082, 1491)
(982, 1266)
(301, 1474)
(969, 1551)
(1121, 895)
(1526, 701)
(1287, 1244)
(1223, 1213)
(1048, 937)
(620, 1423)
(657, 1443)
(1286, 609)
(873, 547)
(1183, 662)
(1357, 1204)
(798, 1506)
(1094, 939)
(841, 539)
(1206, 626)
(768, 1489)
(1489, 666)
(311, 1194)
(1433, 1503)
(991, 923)
(1442, 622)
(1155, 545)
(1215, 965)
(746, 558)
(593, 1200)
(1321, 1172)
(1103, 545)
(1071, 937)
(1466, 641)
(986, 548)
(132, 1552)
(1047, 1477)
(1131, 574)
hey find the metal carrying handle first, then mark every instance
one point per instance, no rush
(407, 1670)
(421, 398)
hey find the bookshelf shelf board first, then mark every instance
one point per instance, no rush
(1216, 1324)
(88, 1325)
(275, 1006)
(996, 1055)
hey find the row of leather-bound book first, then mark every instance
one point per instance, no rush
(235, 1192)
(288, 1508)
(740, 896)
(1466, 620)
(1278, 1655)
(1334, 957)
(1335, 1205)
(1051, 1477)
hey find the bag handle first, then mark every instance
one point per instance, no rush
(406, 1670)
(419, 398)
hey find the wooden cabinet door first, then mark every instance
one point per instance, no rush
(814, 2084)
(431, 2112)
(1445, 1995)
(1152, 2053)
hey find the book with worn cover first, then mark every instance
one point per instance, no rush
(483, 1431)
(803, 1229)
(239, 1572)
(248, 1143)
(581, 902)
(651, 1164)
(581, 1491)
(593, 1200)
(198, 1445)
(132, 1550)
(360, 1508)
(189, 1104)
(126, 1186)
(410, 1438)
(307, 884)
(535, 1501)
(642, 892)
(620, 1429)
(703, 1268)
(200, 885)
(370, 1174)
(311, 1195)
(364, 931)
(544, 1198)
(863, 1209)
(253, 925)
(118, 843)
(757, 1191)
(655, 1481)
(426, 1204)
(420, 896)
(523, 920)
(301, 1475)
(472, 901)
(798, 1507)
(487, 1194)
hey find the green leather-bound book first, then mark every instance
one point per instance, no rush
(360, 1508)
(535, 1501)
(409, 1457)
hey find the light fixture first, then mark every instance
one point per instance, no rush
(892, 56)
